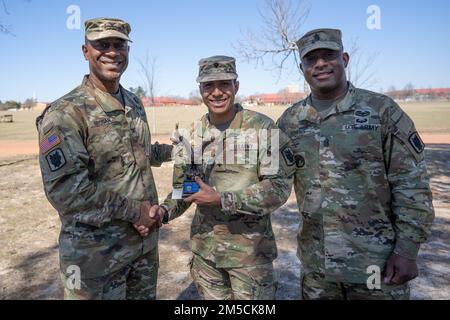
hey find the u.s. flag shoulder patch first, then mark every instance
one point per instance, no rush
(50, 141)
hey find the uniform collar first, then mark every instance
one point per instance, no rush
(209, 132)
(310, 114)
(236, 123)
(348, 103)
(107, 102)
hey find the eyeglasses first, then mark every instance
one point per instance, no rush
(103, 45)
(311, 59)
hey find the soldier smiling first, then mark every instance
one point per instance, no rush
(95, 157)
(361, 185)
(232, 240)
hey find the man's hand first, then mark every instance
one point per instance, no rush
(207, 196)
(400, 270)
(150, 219)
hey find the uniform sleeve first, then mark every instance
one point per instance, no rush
(66, 175)
(160, 153)
(407, 175)
(176, 207)
(275, 172)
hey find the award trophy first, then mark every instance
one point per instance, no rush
(189, 185)
(192, 169)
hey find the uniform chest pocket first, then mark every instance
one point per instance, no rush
(245, 155)
(354, 136)
(105, 139)
(232, 177)
(141, 134)
(357, 144)
(106, 150)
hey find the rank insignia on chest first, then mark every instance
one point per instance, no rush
(56, 159)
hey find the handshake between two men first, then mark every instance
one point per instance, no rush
(151, 216)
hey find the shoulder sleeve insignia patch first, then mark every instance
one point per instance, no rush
(288, 156)
(56, 159)
(416, 142)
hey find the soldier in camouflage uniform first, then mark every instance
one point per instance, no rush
(232, 239)
(95, 158)
(361, 182)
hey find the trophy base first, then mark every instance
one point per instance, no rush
(189, 188)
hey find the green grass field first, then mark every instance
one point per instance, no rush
(429, 117)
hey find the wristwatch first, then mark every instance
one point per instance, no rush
(165, 219)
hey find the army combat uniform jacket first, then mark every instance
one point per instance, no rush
(361, 184)
(95, 158)
(239, 232)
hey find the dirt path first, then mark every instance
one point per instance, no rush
(29, 228)
(436, 138)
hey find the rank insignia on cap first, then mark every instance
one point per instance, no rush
(49, 142)
(416, 142)
(56, 159)
(288, 156)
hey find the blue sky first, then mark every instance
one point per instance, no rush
(45, 57)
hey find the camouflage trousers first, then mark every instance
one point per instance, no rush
(136, 281)
(315, 287)
(248, 283)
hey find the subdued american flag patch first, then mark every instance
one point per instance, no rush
(49, 142)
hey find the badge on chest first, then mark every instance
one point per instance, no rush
(363, 120)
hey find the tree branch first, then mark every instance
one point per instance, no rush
(359, 69)
(281, 27)
(148, 71)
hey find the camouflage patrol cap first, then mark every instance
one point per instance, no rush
(217, 68)
(100, 28)
(320, 39)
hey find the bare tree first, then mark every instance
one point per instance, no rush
(391, 88)
(282, 22)
(3, 27)
(148, 69)
(408, 91)
(139, 91)
(6, 29)
(28, 103)
(275, 43)
(392, 92)
(360, 70)
(409, 88)
(195, 98)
